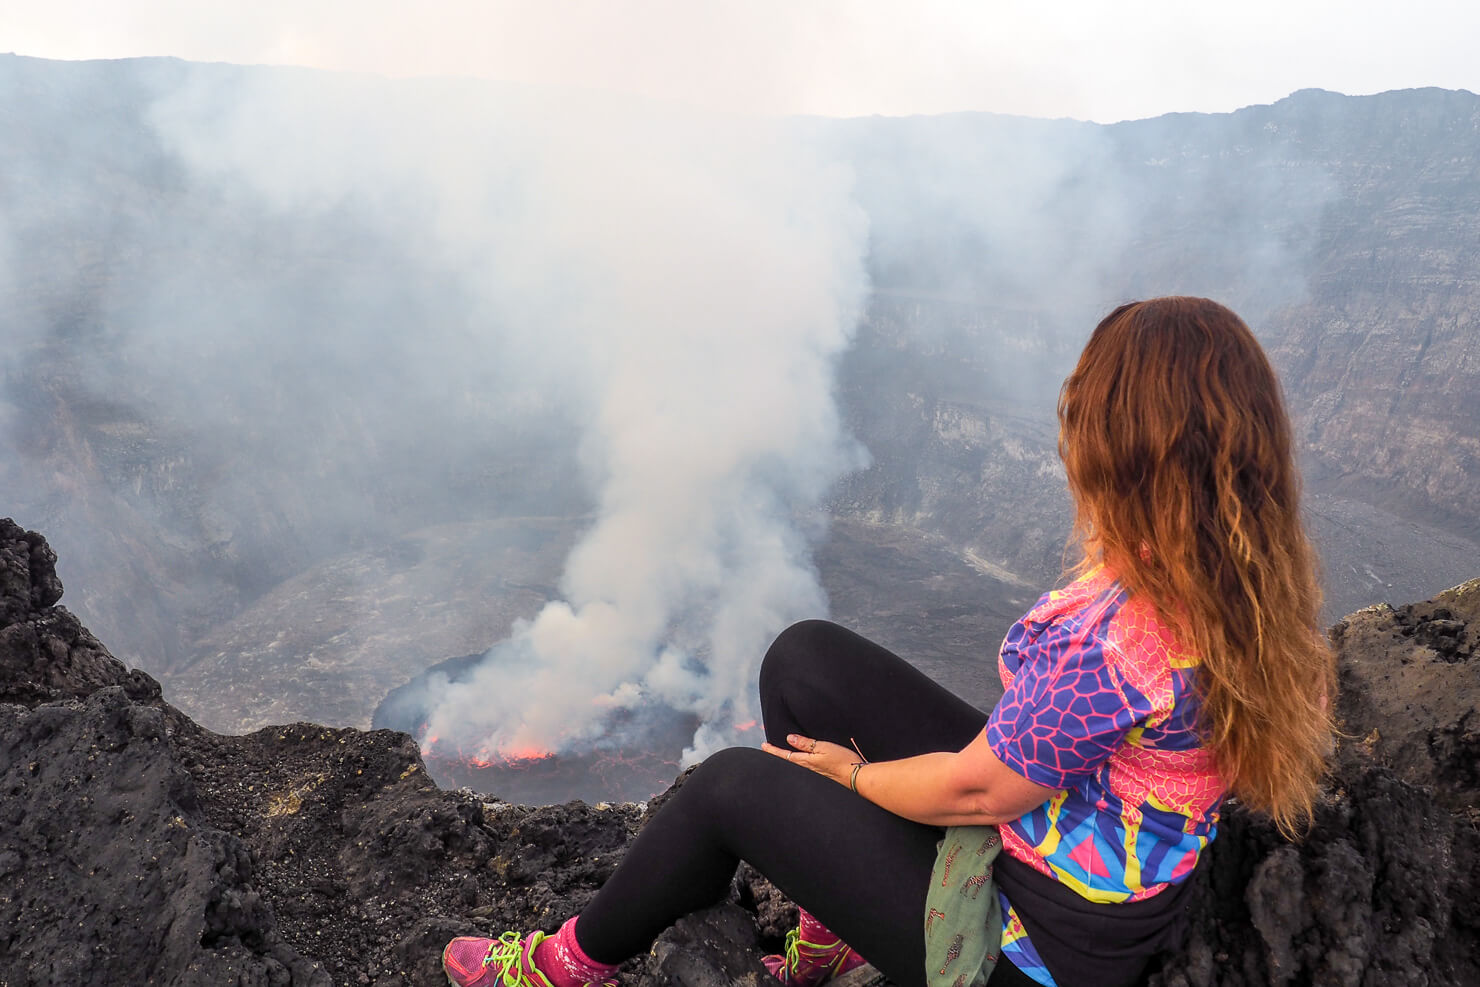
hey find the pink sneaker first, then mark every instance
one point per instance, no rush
(507, 961)
(807, 964)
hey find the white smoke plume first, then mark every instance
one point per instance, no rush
(297, 317)
(722, 275)
(680, 285)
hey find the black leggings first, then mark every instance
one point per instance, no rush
(861, 870)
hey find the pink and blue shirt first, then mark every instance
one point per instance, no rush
(1100, 703)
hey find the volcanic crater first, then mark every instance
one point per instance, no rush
(635, 756)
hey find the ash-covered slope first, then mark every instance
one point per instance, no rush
(137, 847)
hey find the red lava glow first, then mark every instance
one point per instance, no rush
(637, 770)
(484, 756)
(526, 754)
(747, 725)
(519, 757)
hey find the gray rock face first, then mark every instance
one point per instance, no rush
(1383, 889)
(1380, 892)
(28, 573)
(1408, 686)
(1382, 359)
(712, 948)
(1345, 229)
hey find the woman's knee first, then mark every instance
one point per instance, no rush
(728, 780)
(801, 645)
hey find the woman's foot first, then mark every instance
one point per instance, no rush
(813, 955)
(508, 960)
(535, 960)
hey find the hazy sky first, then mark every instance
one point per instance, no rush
(1098, 61)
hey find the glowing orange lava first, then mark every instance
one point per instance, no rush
(518, 757)
(484, 756)
(748, 725)
(526, 754)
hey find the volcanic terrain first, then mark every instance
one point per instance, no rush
(139, 847)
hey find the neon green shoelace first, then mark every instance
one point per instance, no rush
(795, 944)
(505, 955)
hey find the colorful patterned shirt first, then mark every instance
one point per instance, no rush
(1100, 703)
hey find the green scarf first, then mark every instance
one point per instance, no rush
(963, 916)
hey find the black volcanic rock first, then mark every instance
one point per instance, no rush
(106, 866)
(715, 947)
(1381, 891)
(45, 652)
(1384, 888)
(135, 842)
(134, 838)
(28, 573)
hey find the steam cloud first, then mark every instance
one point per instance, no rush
(682, 285)
(340, 309)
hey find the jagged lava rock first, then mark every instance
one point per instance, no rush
(105, 868)
(45, 652)
(1384, 888)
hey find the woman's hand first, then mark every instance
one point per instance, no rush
(970, 787)
(827, 759)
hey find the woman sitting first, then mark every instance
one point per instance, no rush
(1181, 666)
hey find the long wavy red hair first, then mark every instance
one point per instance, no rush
(1180, 458)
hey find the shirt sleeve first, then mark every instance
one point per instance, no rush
(1064, 714)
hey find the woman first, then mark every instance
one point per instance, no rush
(1182, 664)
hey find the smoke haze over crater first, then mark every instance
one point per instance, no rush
(674, 288)
(281, 337)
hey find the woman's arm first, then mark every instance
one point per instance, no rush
(967, 788)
